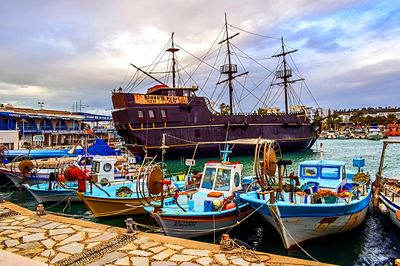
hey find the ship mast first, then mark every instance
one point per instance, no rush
(285, 74)
(173, 50)
(230, 68)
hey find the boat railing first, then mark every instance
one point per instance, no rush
(210, 108)
(392, 193)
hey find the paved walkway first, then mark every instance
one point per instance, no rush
(57, 240)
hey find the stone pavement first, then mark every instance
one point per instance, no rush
(59, 240)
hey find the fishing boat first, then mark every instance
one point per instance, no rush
(324, 198)
(63, 183)
(119, 198)
(387, 192)
(187, 118)
(215, 206)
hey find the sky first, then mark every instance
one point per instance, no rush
(63, 52)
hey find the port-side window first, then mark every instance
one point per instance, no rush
(163, 113)
(140, 114)
(197, 133)
(208, 178)
(309, 171)
(151, 114)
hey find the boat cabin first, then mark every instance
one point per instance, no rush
(221, 177)
(169, 91)
(103, 170)
(328, 174)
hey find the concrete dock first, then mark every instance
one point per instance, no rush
(29, 239)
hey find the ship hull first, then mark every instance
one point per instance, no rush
(182, 126)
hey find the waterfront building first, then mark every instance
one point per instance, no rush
(28, 127)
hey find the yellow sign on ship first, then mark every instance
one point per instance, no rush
(159, 99)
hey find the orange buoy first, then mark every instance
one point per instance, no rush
(230, 205)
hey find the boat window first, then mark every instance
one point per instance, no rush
(140, 114)
(151, 113)
(237, 179)
(197, 133)
(330, 172)
(163, 113)
(309, 171)
(223, 180)
(343, 172)
(208, 178)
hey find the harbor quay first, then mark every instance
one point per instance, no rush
(29, 239)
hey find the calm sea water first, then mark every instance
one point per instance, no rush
(375, 242)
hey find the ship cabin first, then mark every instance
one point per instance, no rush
(165, 90)
(327, 174)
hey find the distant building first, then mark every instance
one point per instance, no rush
(49, 127)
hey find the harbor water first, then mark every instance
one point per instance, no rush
(375, 242)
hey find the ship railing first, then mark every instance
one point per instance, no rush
(210, 108)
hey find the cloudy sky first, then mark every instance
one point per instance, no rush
(61, 52)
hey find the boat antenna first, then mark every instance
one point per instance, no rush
(285, 74)
(173, 50)
(147, 74)
(230, 68)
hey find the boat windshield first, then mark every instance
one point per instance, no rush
(330, 172)
(208, 178)
(218, 179)
(223, 180)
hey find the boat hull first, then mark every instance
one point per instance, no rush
(106, 207)
(297, 223)
(189, 226)
(188, 124)
(55, 195)
(392, 208)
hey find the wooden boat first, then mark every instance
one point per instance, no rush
(187, 118)
(327, 202)
(214, 207)
(118, 198)
(387, 192)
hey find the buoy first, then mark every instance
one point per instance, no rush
(217, 204)
(382, 207)
(230, 205)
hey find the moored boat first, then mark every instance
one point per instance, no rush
(215, 206)
(387, 189)
(329, 201)
(186, 118)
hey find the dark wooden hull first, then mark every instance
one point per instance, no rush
(187, 124)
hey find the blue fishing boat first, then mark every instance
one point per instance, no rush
(214, 207)
(328, 199)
